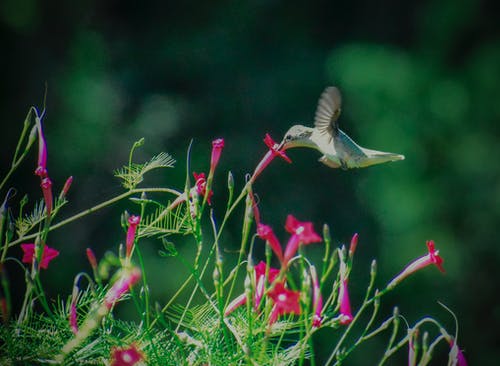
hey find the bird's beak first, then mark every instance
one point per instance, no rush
(281, 145)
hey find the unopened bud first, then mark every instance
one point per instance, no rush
(230, 181)
(326, 233)
(66, 187)
(373, 268)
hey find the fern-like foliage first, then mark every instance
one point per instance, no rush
(133, 174)
(163, 222)
(26, 223)
(206, 341)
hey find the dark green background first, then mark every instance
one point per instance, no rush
(420, 78)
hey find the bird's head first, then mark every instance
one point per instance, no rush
(297, 136)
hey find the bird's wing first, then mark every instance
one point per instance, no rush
(328, 110)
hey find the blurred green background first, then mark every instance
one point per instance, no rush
(421, 78)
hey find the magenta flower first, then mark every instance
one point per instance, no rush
(302, 233)
(431, 258)
(285, 302)
(217, 146)
(41, 169)
(201, 186)
(271, 154)
(46, 185)
(121, 286)
(72, 316)
(133, 222)
(317, 300)
(266, 233)
(47, 255)
(126, 356)
(345, 304)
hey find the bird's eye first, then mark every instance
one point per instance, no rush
(288, 137)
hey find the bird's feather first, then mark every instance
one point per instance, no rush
(328, 111)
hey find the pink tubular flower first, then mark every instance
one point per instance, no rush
(271, 154)
(285, 302)
(133, 222)
(47, 255)
(121, 286)
(266, 233)
(201, 186)
(46, 185)
(41, 169)
(431, 258)
(217, 146)
(302, 233)
(128, 356)
(345, 304)
(72, 317)
(317, 300)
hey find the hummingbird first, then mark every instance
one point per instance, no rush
(338, 149)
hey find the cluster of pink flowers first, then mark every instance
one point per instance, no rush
(285, 300)
(30, 249)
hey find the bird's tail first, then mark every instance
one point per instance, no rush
(374, 157)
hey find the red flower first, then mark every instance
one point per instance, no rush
(266, 233)
(47, 255)
(126, 356)
(271, 154)
(133, 222)
(201, 186)
(273, 146)
(431, 258)
(285, 302)
(303, 233)
(217, 146)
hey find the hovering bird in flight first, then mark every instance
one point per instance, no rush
(338, 149)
